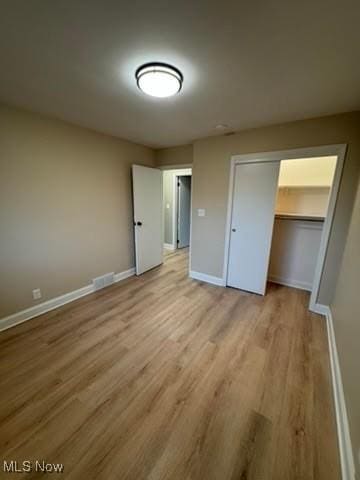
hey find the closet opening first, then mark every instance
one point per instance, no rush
(301, 209)
(281, 207)
(176, 208)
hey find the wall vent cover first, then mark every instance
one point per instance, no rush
(103, 281)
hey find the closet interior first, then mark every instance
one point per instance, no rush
(301, 207)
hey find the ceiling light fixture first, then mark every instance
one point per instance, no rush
(159, 79)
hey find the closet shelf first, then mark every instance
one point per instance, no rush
(305, 186)
(297, 216)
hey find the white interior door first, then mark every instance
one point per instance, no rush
(184, 207)
(253, 212)
(147, 198)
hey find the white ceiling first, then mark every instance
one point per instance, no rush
(245, 63)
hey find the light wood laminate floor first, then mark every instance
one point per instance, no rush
(164, 377)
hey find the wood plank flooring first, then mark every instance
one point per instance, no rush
(163, 377)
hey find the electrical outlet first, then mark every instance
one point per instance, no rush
(36, 293)
(201, 212)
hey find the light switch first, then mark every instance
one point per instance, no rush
(168, 205)
(201, 212)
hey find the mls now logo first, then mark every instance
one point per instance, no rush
(27, 466)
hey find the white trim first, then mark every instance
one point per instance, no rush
(191, 214)
(228, 219)
(175, 167)
(125, 274)
(294, 153)
(28, 313)
(340, 152)
(327, 150)
(175, 199)
(169, 246)
(320, 309)
(345, 447)
(207, 278)
(289, 282)
(175, 211)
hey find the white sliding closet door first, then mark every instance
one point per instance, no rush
(253, 211)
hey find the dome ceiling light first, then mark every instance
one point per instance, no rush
(159, 79)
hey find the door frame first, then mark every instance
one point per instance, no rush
(184, 166)
(338, 150)
(176, 209)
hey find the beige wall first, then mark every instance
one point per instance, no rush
(211, 168)
(346, 315)
(182, 155)
(309, 172)
(65, 206)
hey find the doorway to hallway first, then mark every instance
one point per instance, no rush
(177, 208)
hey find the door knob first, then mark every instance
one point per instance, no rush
(233, 229)
(139, 224)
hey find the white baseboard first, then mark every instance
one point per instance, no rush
(319, 308)
(169, 246)
(27, 314)
(207, 278)
(288, 282)
(345, 447)
(125, 274)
